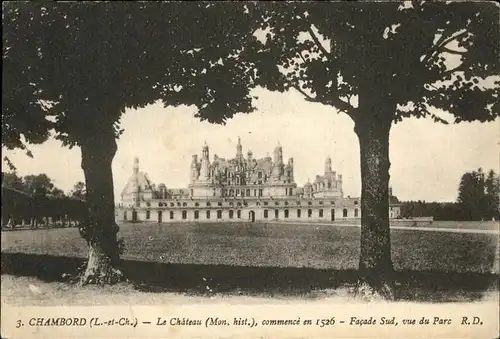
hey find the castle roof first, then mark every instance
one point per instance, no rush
(138, 180)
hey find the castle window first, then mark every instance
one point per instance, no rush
(321, 213)
(231, 192)
(148, 214)
(219, 214)
(298, 203)
(254, 192)
(276, 214)
(208, 214)
(345, 212)
(286, 213)
(286, 191)
(258, 203)
(196, 204)
(214, 192)
(310, 203)
(356, 212)
(238, 214)
(224, 192)
(298, 213)
(231, 204)
(172, 204)
(231, 214)
(248, 193)
(309, 213)
(321, 202)
(208, 204)
(192, 193)
(196, 214)
(260, 192)
(237, 192)
(259, 175)
(242, 193)
(259, 182)
(277, 203)
(332, 202)
(265, 214)
(179, 204)
(184, 204)
(219, 203)
(184, 215)
(245, 203)
(286, 203)
(290, 190)
(238, 204)
(355, 202)
(160, 204)
(171, 214)
(265, 203)
(329, 185)
(148, 204)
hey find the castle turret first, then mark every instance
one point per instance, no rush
(194, 168)
(205, 163)
(136, 165)
(277, 163)
(249, 156)
(328, 165)
(239, 150)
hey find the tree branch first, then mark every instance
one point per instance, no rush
(335, 102)
(441, 43)
(453, 70)
(452, 51)
(300, 54)
(450, 39)
(318, 43)
(308, 97)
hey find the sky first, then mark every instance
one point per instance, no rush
(427, 158)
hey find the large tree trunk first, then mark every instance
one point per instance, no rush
(100, 229)
(375, 264)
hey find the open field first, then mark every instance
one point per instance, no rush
(255, 260)
(269, 245)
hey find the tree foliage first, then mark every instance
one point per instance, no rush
(417, 57)
(74, 68)
(479, 194)
(78, 191)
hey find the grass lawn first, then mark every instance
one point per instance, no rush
(255, 260)
(269, 245)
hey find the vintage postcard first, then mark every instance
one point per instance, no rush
(250, 170)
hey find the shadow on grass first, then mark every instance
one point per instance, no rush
(429, 286)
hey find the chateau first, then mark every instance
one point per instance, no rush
(242, 189)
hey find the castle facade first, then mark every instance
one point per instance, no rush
(241, 189)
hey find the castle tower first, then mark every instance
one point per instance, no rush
(136, 166)
(239, 150)
(328, 165)
(194, 168)
(277, 162)
(205, 151)
(205, 163)
(249, 156)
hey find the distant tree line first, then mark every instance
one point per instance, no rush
(478, 199)
(35, 201)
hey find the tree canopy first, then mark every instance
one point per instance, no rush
(413, 56)
(479, 195)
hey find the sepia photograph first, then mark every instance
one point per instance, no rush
(250, 169)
